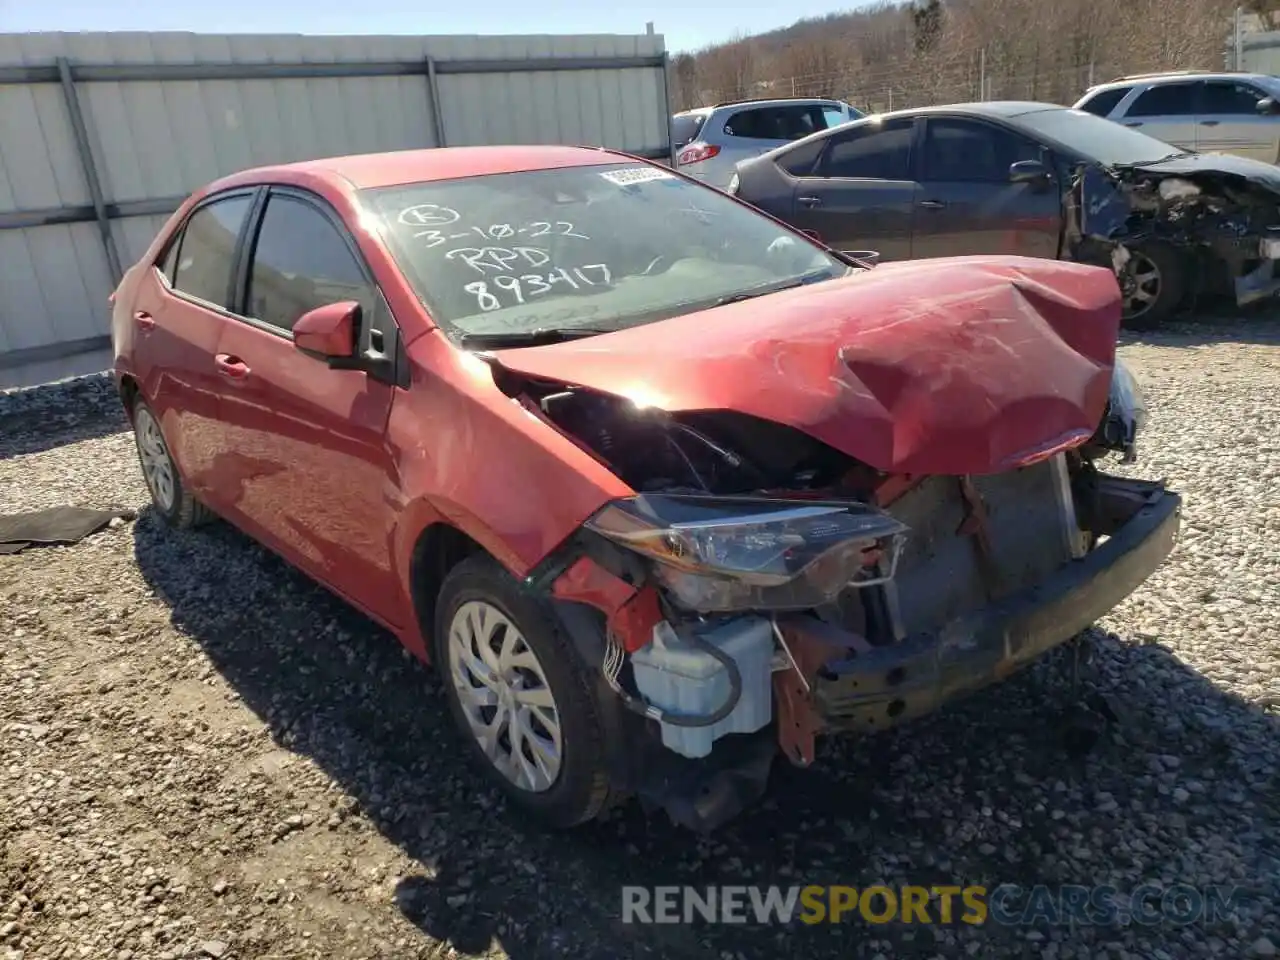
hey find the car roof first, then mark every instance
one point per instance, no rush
(1181, 76)
(398, 167)
(985, 108)
(763, 102)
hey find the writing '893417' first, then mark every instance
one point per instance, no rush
(524, 287)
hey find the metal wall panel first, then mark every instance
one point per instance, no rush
(159, 139)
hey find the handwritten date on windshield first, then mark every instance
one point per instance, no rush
(521, 289)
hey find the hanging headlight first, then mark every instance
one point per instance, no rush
(1126, 413)
(721, 554)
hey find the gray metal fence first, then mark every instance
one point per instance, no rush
(103, 135)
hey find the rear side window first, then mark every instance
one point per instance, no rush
(685, 129)
(301, 262)
(1166, 100)
(873, 151)
(207, 249)
(1102, 103)
(776, 123)
(1230, 98)
(799, 161)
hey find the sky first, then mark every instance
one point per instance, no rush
(686, 25)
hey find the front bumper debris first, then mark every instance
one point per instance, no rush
(878, 687)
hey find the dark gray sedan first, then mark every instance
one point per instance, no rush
(1036, 180)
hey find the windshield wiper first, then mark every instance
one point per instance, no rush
(528, 338)
(774, 288)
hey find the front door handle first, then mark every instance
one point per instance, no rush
(145, 321)
(933, 204)
(233, 368)
(1209, 123)
(810, 201)
(1134, 123)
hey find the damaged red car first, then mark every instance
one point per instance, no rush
(663, 487)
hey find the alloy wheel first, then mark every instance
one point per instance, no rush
(1141, 284)
(504, 694)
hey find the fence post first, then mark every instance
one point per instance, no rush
(437, 112)
(666, 106)
(85, 149)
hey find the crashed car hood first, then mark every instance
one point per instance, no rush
(1195, 165)
(965, 365)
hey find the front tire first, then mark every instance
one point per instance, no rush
(1153, 283)
(169, 495)
(519, 695)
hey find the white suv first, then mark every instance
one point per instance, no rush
(711, 140)
(1207, 112)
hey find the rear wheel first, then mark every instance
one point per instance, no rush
(519, 695)
(171, 498)
(1152, 285)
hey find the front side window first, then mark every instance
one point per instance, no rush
(595, 247)
(300, 262)
(963, 151)
(1166, 100)
(875, 151)
(1229, 98)
(207, 249)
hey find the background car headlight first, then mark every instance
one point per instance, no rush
(720, 554)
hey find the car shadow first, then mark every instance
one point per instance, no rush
(333, 687)
(1212, 324)
(43, 418)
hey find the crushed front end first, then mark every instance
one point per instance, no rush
(1221, 213)
(762, 589)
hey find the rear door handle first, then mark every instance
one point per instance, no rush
(233, 368)
(1209, 123)
(1134, 123)
(145, 321)
(933, 204)
(810, 201)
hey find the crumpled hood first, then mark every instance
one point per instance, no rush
(965, 365)
(1195, 165)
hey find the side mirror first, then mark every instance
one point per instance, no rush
(1268, 106)
(1029, 171)
(328, 331)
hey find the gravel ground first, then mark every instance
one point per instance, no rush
(205, 755)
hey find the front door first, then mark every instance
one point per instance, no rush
(303, 445)
(860, 195)
(1228, 121)
(967, 204)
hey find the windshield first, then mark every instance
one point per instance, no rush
(598, 248)
(1097, 139)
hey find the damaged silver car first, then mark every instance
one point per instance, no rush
(1036, 180)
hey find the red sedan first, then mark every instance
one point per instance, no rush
(662, 486)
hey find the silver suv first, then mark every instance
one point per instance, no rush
(711, 140)
(1208, 112)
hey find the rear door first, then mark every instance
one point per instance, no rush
(1228, 121)
(859, 194)
(966, 203)
(1166, 111)
(303, 445)
(178, 314)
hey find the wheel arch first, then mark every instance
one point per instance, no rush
(438, 548)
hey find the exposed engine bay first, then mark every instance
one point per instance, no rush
(1227, 224)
